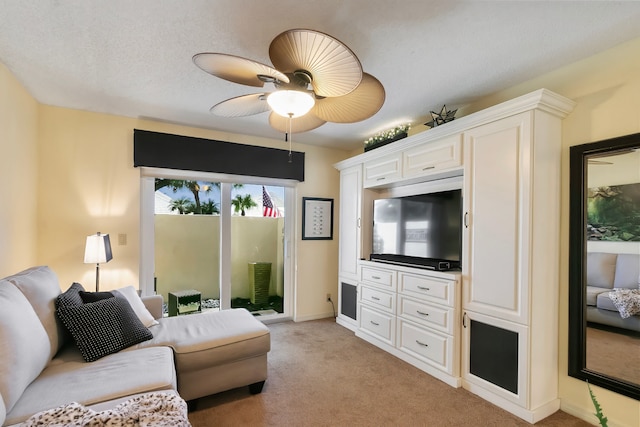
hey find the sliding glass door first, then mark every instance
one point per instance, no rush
(227, 238)
(257, 248)
(187, 239)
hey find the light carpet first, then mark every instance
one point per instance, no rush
(321, 374)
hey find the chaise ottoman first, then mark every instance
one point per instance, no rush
(214, 351)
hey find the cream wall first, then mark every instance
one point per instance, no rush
(18, 174)
(72, 174)
(606, 88)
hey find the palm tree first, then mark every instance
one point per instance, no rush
(210, 207)
(240, 203)
(183, 205)
(194, 186)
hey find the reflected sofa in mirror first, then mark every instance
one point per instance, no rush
(604, 264)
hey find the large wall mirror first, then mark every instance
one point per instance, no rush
(604, 264)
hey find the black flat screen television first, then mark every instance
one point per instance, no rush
(423, 230)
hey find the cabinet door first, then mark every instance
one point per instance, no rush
(426, 159)
(382, 171)
(347, 303)
(496, 357)
(350, 221)
(497, 193)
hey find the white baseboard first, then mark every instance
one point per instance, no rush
(312, 317)
(529, 415)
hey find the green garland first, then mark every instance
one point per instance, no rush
(387, 135)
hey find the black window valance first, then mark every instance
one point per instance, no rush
(164, 150)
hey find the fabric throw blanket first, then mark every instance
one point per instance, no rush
(627, 301)
(151, 409)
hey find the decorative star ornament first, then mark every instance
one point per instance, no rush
(443, 116)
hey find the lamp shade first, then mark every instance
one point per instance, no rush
(98, 249)
(291, 103)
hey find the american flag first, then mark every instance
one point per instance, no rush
(268, 208)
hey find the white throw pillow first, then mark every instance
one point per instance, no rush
(40, 286)
(24, 344)
(130, 293)
(3, 411)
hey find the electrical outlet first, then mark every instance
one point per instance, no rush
(328, 297)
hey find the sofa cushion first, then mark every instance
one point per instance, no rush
(102, 327)
(3, 411)
(627, 272)
(69, 379)
(24, 344)
(130, 293)
(601, 269)
(215, 338)
(71, 297)
(132, 297)
(87, 297)
(41, 287)
(605, 303)
(592, 294)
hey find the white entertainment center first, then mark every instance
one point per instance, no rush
(492, 326)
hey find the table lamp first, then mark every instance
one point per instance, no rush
(97, 250)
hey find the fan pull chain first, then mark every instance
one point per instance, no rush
(290, 135)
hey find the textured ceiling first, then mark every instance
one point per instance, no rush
(133, 58)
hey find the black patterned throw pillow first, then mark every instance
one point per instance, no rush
(101, 327)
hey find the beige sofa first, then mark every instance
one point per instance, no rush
(606, 273)
(41, 367)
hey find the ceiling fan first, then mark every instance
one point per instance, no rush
(317, 79)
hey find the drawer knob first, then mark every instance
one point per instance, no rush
(375, 277)
(375, 298)
(421, 313)
(428, 167)
(422, 344)
(423, 288)
(374, 323)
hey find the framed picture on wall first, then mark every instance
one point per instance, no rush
(317, 218)
(613, 213)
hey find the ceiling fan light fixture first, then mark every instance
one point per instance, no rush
(291, 103)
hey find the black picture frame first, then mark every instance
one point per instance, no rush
(317, 218)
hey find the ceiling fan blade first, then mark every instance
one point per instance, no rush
(356, 106)
(237, 69)
(245, 105)
(334, 68)
(298, 125)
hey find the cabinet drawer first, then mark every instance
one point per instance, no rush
(440, 318)
(378, 299)
(430, 347)
(383, 278)
(429, 158)
(382, 171)
(429, 288)
(380, 325)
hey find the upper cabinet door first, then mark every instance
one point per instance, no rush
(350, 221)
(382, 171)
(426, 159)
(496, 219)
